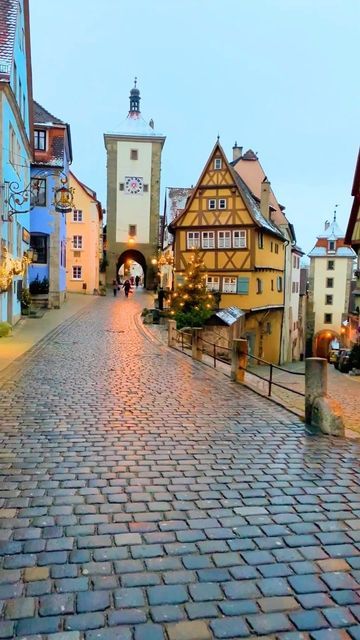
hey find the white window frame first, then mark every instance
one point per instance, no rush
(224, 239)
(209, 241)
(240, 241)
(211, 204)
(217, 163)
(77, 272)
(212, 283)
(77, 242)
(222, 203)
(194, 242)
(229, 284)
(77, 215)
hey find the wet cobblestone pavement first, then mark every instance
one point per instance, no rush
(146, 497)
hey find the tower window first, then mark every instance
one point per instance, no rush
(145, 188)
(327, 318)
(134, 154)
(332, 246)
(328, 299)
(331, 265)
(279, 283)
(329, 283)
(132, 230)
(217, 163)
(121, 186)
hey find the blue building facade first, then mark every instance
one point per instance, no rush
(52, 158)
(15, 153)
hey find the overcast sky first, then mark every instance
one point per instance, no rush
(277, 76)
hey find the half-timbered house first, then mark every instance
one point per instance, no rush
(242, 249)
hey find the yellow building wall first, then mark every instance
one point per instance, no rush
(88, 257)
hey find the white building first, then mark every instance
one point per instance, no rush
(331, 272)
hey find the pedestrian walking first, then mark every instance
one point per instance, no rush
(137, 281)
(127, 287)
(115, 288)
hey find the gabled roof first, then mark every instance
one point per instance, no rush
(332, 231)
(175, 201)
(42, 116)
(8, 20)
(356, 203)
(244, 191)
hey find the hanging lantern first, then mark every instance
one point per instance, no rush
(64, 197)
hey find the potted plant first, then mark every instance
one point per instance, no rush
(25, 301)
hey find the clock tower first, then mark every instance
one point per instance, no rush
(133, 191)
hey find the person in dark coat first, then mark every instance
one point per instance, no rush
(127, 287)
(137, 281)
(115, 287)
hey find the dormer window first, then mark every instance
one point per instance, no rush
(332, 246)
(217, 163)
(40, 139)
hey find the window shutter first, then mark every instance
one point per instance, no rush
(243, 285)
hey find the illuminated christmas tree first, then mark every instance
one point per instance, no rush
(191, 303)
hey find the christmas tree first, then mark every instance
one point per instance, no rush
(191, 303)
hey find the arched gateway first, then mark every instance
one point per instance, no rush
(136, 256)
(322, 341)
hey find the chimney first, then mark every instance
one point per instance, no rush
(327, 224)
(151, 123)
(264, 198)
(237, 152)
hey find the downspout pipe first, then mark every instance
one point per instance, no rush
(286, 243)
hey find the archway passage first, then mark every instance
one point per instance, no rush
(126, 259)
(323, 342)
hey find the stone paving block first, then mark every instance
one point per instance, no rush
(268, 623)
(277, 603)
(7, 629)
(306, 584)
(104, 582)
(36, 573)
(167, 613)
(19, 608)
(57, 604)
(234, 627)
(113, 633)
(167, 594)
(238, 607)
(126, 616)
(308, 620)
(241, 590)
(90, 601)
(84, 622)
(339, 580)
(345, 596)
(149, 631)
(201, 610)
(32, 626)
(69, 585)
(130, 597)
(127, 539)
(314, 600)
(274, 587)
(194, 630)
(338, 616)
(331, 634)
(205, 591)
(38, 588)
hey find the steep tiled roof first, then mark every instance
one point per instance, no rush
(8, 20)
(41, 116)
(249, 155)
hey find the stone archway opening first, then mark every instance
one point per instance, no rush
(322, 342)
(131, 264)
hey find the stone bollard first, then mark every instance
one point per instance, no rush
(320, 411)
(171, 332)
(239, 359)
(196, 350)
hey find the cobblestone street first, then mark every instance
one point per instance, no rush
(146, 497)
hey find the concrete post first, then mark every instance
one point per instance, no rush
(196, 351)
(239, 359)
(171, 332)
(315, 383)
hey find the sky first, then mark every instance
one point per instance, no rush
(277, 76)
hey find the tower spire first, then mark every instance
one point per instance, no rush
(336, 206)
(134, 98)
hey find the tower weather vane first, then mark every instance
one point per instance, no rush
(336, 206)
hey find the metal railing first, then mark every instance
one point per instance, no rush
(271, 382)
(214, 355)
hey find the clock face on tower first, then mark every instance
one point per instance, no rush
(134, 185)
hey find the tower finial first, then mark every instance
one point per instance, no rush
(135, 99)
(218, 137)
(135, 82)
(336, 206)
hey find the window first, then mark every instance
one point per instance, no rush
(293, 287)
(77, 242)
(332, 246)
(276, 247)
(329, 283)
(77, 215)
(327, 318)
(38, 242)
(222, 203)
(297, 288)
(271, 246)
(331, 265)
(132, 230)
(145, 188)
(328, 299)
(217, 163)
(77, 273)
(229, 284)
(121, 186)
(208, 239)
(243, 286)
(40, 139)
(279, 283)
(272, 285)
(193, 239)
(260, 240)
(259, 285)
(224, 239)
(38, 192)
(239, 239)
(133, 154)
(212, 203)
(213, 283)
